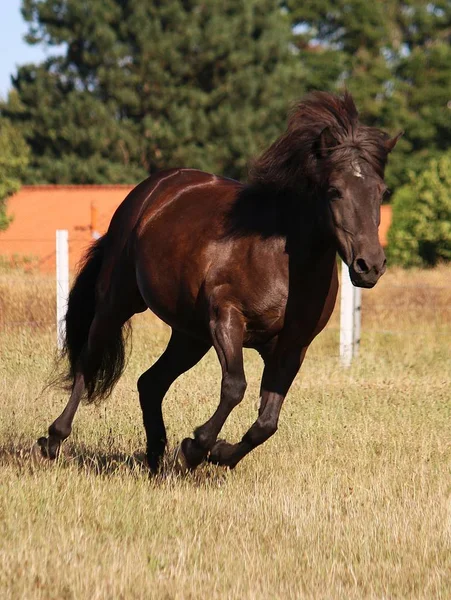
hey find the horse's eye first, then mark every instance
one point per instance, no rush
(333, 193)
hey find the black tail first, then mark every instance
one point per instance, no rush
(102, 368)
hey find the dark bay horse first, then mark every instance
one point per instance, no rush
(228, 265)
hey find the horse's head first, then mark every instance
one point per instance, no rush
(352, 192)
(328, 155)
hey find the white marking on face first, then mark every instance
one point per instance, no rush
(356, 170)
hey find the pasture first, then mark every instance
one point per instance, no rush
(350, 499)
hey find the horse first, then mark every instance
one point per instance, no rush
(229, 265)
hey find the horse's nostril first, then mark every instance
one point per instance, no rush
(361, 266)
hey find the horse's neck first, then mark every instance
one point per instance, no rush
(275, 214)
(307, 238)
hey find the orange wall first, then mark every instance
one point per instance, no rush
(39, 210)
(386, 218)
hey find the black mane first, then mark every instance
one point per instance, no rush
(294, 158)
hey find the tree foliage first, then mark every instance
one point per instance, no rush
(14, 155)
(142, 85)
(396, 61)
(421, 231)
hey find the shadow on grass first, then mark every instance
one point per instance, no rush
(99, 463)
(109, 463)
(103, 462)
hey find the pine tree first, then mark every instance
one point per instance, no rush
(423, 78)
(144, 85)
(356, 35)
(396, 61)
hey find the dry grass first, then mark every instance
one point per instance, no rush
(26, 299)
(351, 498)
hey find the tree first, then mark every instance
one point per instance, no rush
(14, 155)
(359, 38)
(395, 57)
(422, 80)
(144, 85)
(421, 231)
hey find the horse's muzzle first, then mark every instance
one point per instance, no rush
(364, 274)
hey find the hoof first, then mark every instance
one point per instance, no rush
(188, 456)
(215, 454)
(42, 452)
(225, 454)
(38, 455)
(180, 463)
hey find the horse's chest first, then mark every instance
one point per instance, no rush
(300, 311)
(263, 327)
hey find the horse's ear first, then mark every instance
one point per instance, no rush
(326, 142)
(391, 142)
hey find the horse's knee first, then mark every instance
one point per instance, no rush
(233, 389)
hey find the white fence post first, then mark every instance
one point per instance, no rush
(62, 283)
(350, 314)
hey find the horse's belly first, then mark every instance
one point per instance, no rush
(172, 299)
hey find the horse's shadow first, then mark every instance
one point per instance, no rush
(103, 462)
(99, 463)
(107, 463)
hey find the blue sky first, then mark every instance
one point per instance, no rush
(14, 50)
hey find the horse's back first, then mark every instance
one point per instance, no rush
(164, 236)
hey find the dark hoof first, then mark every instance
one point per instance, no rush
(43, 451)
(188, 456)
(180, 463)
(225, 454)
(215, 454)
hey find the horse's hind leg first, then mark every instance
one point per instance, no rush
(101, 327)
(60, 429)
(227, 331)
(181, 354)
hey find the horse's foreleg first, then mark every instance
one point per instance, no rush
(181, 354)
(227, 332)
(276, 381)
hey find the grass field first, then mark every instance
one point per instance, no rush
(350, 499)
